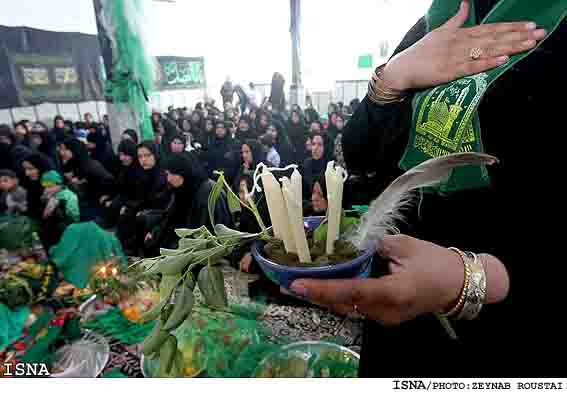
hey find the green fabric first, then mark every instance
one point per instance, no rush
(445, 118)
(133, 68)
(113, 324)
(12, 323)
(15, 232)
(114, 374)
(52, 177)
(71, 203)
(82, 246)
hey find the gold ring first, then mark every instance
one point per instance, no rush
(356, 314)
(476, 53)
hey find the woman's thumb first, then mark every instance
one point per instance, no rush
(460, 18)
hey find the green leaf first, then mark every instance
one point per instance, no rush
(174, 264)
(224, 233)
(186, 244)
(233, 202)
(191, 232)
(209, 253)
(347, 224)
(214, 196)
(167, 285)
(170, 252)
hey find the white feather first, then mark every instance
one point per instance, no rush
(386, 210)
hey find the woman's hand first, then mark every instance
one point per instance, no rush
(425, 278)
(148, 237)
(444, 54)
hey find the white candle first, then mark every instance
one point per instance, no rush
(334, 178)
(294, 204)
(278, 211)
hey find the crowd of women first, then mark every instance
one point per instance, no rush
(143, 190)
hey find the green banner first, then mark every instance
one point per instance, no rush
(182, 72)
(365, 61)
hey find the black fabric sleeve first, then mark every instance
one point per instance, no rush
(376, 135)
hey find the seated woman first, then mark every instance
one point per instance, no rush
(222, 154)
(189, 208)
(297, 132)
(319, 202)
(150, 196)
(92, 182)
(101, 151)
(131, 135)
(61, 209)
(282, 143)
(34, 166)
(40, 139)
(316, 165)
(128, 173)
(252, 154)
(178, 143)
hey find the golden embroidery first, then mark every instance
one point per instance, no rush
(445, 118)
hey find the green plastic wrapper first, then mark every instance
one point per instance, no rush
(113, 324)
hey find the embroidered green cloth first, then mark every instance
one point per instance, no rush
(445, 118)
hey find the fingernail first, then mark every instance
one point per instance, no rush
(539, 34)
(531, 26)
(299, 289)
(502, 59)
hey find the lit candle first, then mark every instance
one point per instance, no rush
(277, 210)
(334, 178)
(294, 204)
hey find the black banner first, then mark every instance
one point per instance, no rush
(39, 66)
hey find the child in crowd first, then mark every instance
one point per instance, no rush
(13, 199)
(61, 209)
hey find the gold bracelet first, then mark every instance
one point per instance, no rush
(381, 94)
(476, 291)
(458, 307)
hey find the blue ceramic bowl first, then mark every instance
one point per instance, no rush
(283, 275)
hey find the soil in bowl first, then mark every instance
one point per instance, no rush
(344, 251)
